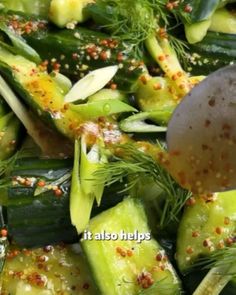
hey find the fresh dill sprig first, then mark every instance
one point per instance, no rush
(181, 48)
(136, 164)
(6, 165)
(133, 21)
(222, 270)
(220, 258)
(161, 286)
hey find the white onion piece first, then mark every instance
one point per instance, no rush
(91, 83)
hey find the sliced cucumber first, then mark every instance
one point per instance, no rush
(127, 265)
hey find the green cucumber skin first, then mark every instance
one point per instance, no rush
(200, 9)
(7, 73)
(37, 7)
(40, 220)
(216, 50)
(13, 132)
(4, 109)
(50, 169)
(199, 227)
(126, 216)
(69, 49)
(66, 44)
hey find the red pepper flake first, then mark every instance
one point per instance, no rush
(91, 49)
(181, 86)
(93, 54)
(58, 192)
(4, 232)
(129, 253)
(226, 221)
(48, 249)
(113, 44)
(66, 106)
(229, 241)
(26, 252)
(188, 8)
(41, 258)
(174, 77)
(18, 274)
(191, 201)
(28, 28)
(41, 183)
(120, 57)
(161, 57)
(144, 79)
(86, 286)
(159, 257)
(219, 230)
(56, 66)
(162, 33)
(207, 243)
(113, 86)
(208, 198)
(36, 279)
(104, 42)
(157, 86)
(41, 25)
(13, 253)
(121, 251)
(195, 234)
(103, 55)
(145, 280)
(15, 24)
(180, 74)
(189, 250)
(16, 253)
(169, 6)
(74, 56)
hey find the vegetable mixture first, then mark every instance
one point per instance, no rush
(87, 205)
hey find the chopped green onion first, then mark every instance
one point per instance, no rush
(91, 83)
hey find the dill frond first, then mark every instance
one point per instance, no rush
(6, 165)
(161, 286)
(134, 21)
(136, 164)
(220, 258)
(181, 48)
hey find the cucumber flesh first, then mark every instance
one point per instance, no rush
(126, 264)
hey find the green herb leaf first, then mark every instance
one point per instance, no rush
(136, 164)
(128, 20)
